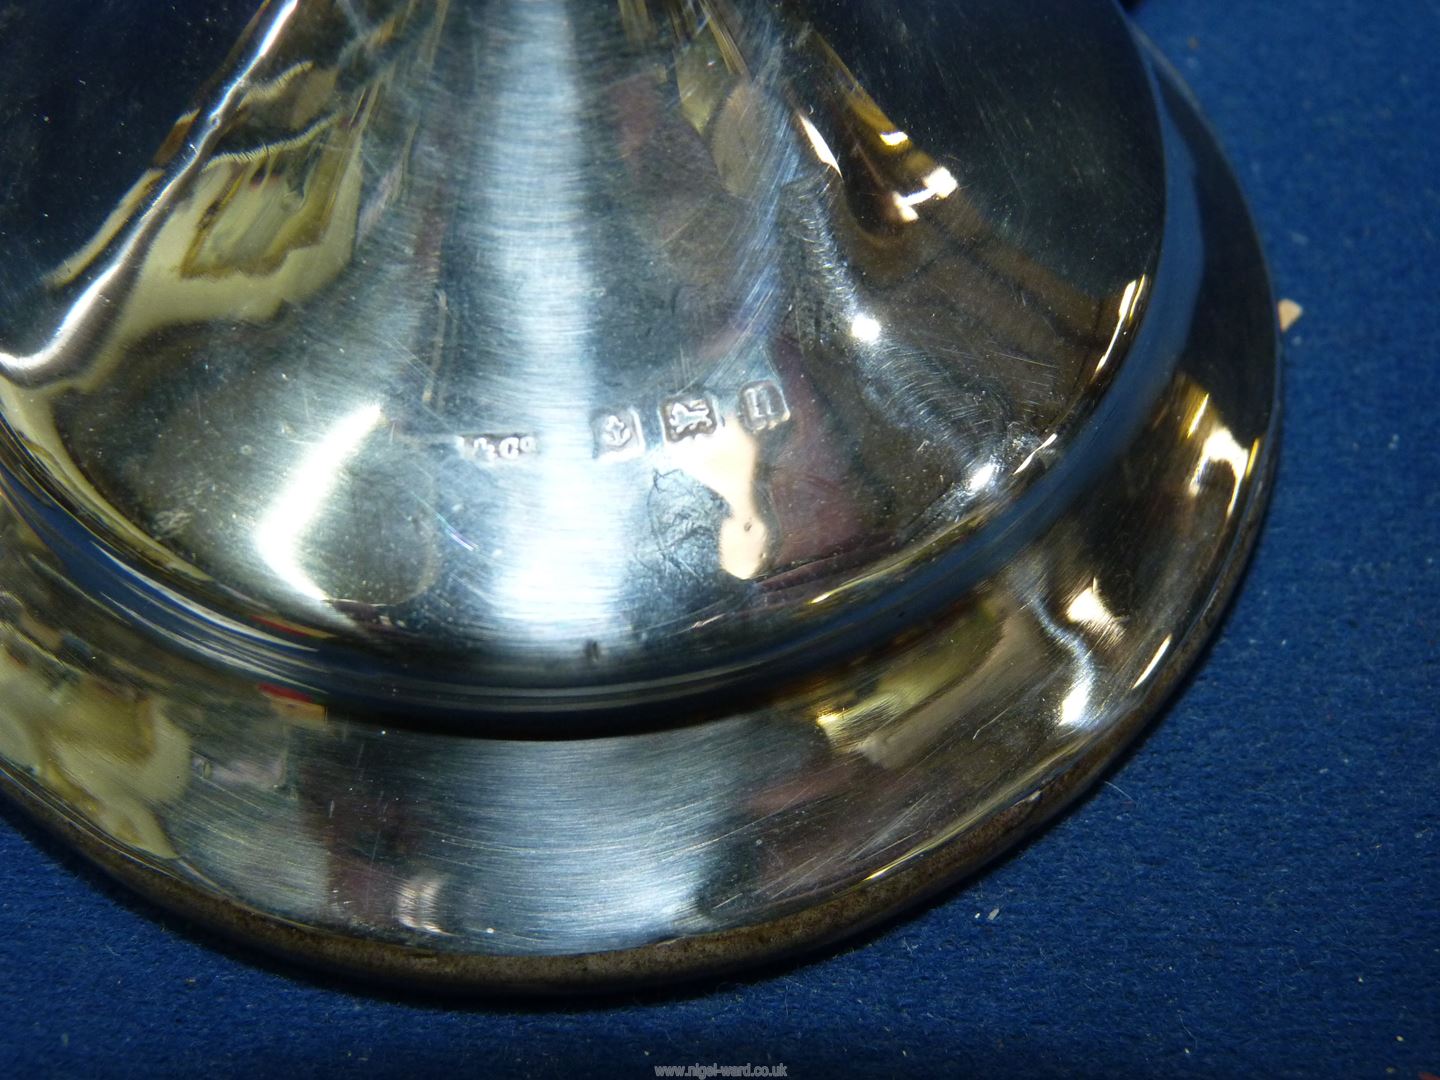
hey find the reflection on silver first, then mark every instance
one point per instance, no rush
(280, 532)
(545, 492)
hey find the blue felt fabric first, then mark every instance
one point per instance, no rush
(1255, 891)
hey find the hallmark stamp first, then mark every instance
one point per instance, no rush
(689, 415)
(763, 406)
(496, 448)
(618, 434)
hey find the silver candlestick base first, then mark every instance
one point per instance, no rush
(546, 494)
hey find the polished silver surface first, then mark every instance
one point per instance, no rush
(557, 492)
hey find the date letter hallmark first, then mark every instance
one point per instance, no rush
(618, 435)
(689, 415)
(762, 406)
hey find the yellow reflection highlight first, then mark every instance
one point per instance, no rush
(904, 209)
(1087, 608)
(1129, 304)
(894, 138)
(865, 328)
(1200, 411)
(273, 34)
(1077, 702)
(940, 183)
(109, 751)
(93, 303)
(1221, 448)
(1154, 662)
(280, 533)
(819, 145)
(980, 479)
(1030, 457)
(727, 462)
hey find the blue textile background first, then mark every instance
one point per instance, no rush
(1256, 891)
